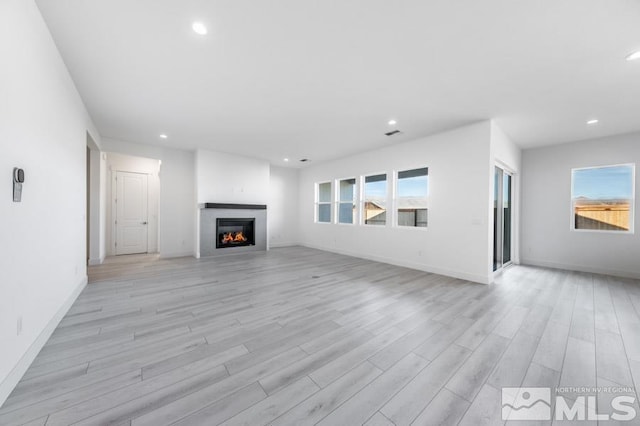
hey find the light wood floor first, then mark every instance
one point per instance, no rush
(298, 336)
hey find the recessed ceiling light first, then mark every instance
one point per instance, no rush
(286, 159)
(199, 28)
(594, 121)
(163, 136)
(392, 122)
(634, 56)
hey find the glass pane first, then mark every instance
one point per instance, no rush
(421, 217)
(324, 213)
(375, 200)
(345, 212)
(412, 217)
(506, 235)
(347, 190)
(602, 198)
(412, 197)
(324, 192)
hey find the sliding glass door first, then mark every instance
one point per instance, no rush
(502, 218)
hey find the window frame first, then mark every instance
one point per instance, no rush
(318, 203)
(354, 201)
(361, 201)
(632, 209)
(395, 197)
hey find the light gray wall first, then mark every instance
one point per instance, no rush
(508, 156)
(455, 243)
(547, 239)
(43, 129)
(283, 207)
(96, 236)
(229, 178)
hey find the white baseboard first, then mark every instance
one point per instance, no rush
(94, 262)
(10, 382)
(581, 268)
(413, 265)
(177, 254)
(284, 244)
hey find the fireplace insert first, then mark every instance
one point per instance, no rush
(235, 232)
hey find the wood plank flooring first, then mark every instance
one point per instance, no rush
(296, 336)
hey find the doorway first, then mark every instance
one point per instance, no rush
(133, 186)
(502, 218)
(88, 206)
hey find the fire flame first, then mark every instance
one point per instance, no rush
(230, 237)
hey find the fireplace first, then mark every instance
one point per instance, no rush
(235, 232)
(231, 229)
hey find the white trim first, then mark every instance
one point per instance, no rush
(362, 200)
(413, 265)
(395, 196)
(354, 201)
(178, 254)
(284, 244)
(505, 167)
(114, 210)
(94, 262)
(632, 210)
(581, 268)
(317, 202)
(10, 382)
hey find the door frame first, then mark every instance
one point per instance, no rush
(114, 207)
(500, 217)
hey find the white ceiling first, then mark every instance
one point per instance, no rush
(320, 79)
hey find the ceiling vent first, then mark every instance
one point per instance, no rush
(304, 160)
(393, 132)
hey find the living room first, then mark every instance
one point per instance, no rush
(423, 184)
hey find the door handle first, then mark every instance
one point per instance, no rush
(143, 223)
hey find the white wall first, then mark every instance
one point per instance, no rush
(546, 209)
(128, 163)
(96, 244)
(103, 206)
(97, 203)
(508, 156)
(228, 178)
(457, 239)
(43, 127)
(177, 195)
(283, 207)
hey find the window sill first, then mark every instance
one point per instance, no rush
(603, 231)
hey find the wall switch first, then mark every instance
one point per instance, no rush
(19, 326)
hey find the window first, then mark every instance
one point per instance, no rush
(374, 200)
(346, 200)
(411, 197)
(602, 198)
(323, 202)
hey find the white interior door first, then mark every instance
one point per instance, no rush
(131, 213)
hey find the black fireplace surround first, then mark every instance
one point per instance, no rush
(235, 232)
